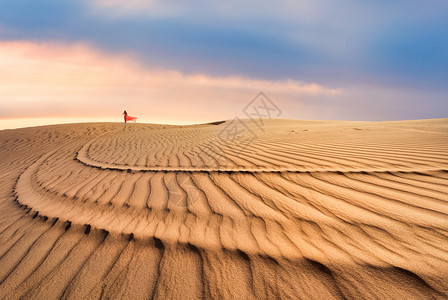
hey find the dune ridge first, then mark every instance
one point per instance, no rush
(294, 209)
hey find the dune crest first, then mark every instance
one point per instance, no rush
(293, 209)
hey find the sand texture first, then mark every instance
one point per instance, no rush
(234, 210)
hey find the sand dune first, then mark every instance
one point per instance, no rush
(233, 210)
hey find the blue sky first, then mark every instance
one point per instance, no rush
(381, 54)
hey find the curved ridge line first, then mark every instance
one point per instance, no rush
(25, 198)
(91, 163)
(82, 157)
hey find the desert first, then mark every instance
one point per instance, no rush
(235, 209)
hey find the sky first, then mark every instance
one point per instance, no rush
(184, 62)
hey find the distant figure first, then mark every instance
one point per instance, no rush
(128, 118)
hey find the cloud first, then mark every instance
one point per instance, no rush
(331, 42)
(176, 61)
(120, 7)
(59, 80)
(198, 7)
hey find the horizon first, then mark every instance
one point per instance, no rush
(167, 62)
(11, 124)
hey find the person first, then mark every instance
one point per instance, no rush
(128, 117)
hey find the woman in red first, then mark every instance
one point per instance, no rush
(128, 118)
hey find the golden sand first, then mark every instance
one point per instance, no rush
(291, 209)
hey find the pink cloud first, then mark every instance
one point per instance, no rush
(56, 80)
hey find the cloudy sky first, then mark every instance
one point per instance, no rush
(196, 61)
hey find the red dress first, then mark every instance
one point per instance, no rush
(129, 118)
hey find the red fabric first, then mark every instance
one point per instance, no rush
(129, 118)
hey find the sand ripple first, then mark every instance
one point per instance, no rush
(305, 210)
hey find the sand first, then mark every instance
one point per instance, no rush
(284, 209)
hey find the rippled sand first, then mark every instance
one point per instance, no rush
(289, 209)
